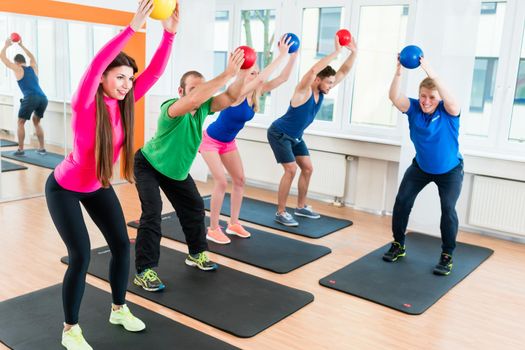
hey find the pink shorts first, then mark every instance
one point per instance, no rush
(209, 144)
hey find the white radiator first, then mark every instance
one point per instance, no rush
(329, 176)
(498, 204)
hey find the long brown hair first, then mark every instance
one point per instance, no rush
(104, 139)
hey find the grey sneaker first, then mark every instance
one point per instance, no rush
(41, 151)
(307, 212)
(19, 152)
(285, 219)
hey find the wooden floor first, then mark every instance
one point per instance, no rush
(485, 311)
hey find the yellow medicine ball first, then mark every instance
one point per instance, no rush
(162, 9)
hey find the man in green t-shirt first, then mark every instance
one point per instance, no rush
(164, 163)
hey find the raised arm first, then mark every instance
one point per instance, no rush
(3, 56)
(281, 78)
(160, 59)
(87, 88)
(284, 46)
(204, 91)
(31, 57)
(232, 93)
(309, 77)
(343, 71)
(449, 102)
(399, 100)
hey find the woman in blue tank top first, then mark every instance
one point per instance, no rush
(219, 150)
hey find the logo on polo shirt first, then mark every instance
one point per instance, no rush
(435, 118)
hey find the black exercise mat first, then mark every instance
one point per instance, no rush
(263, 249)
(263, 213)
(8, 166)
(7, 143)
(34, 322)
(407, 285)
(230, 300)
(49, 160)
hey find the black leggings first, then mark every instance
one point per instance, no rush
(105, 210)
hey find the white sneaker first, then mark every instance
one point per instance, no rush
(125, 318)
(73, 339)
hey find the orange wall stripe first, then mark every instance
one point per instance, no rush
(68, 11)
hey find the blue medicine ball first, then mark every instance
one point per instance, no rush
(295, 42)
(409, 56)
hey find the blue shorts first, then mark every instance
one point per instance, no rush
(285, 148)
(30, 104)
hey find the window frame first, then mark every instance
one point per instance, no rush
(497, 143)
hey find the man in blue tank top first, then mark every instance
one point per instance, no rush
(433, 120)
(285, 135)
(34, 101)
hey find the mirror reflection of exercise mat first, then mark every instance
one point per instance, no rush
(8, 166)
(7, 143)
(407, 285)
(31, 156)
(41, 312)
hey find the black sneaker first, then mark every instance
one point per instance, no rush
(444, 266)
(149, 281)
(19, 152)
(395, 252)
(41, 151)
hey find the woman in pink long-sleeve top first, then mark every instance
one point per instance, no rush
(102, 121)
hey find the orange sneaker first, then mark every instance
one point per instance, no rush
(217, 236)
(237, 230)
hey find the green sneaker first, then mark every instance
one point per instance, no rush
(125, 318)
(73, 339)
(149, 281)
(201, 261)
(395, 252)
(444, 266)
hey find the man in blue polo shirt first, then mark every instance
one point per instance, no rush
(434, 129)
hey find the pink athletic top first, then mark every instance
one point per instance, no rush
(78, 171)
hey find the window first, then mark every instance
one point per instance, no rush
(46, 56)
(221, 41)
(5, 75)
(317, 40)
(101, 35)
(483, 83)
(489, 8)
(258, 32)
(79, 53)
(517, 126)
(329, 24)
(382, 33)
(488, 47)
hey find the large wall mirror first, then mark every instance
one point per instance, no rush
(62, 50)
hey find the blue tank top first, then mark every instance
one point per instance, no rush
(230, 122)
(29, 83)
(297, 119)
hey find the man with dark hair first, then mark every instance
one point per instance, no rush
(285, 134)
(164, 163)
(34, 101)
